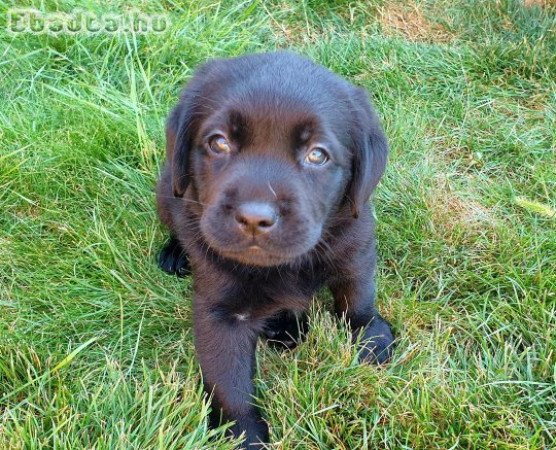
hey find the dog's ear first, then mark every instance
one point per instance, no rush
(184, 120)
(179, 137)
(369, 148)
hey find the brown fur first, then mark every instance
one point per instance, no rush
(272, 109)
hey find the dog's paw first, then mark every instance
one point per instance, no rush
(286, 330)
(173, 260)
(256, 433)
(376, 342)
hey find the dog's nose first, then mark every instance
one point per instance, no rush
(256, 217)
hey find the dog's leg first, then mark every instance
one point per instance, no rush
(286, 330)
(172, 259)
(354, 299)
(226, 351)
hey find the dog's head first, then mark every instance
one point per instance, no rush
(272, 146)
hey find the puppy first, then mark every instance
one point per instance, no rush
(271, 160)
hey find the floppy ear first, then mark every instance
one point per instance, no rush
(369, 149)
(185, 118)
(179, 136)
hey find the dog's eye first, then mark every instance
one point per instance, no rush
(316, 157)
(219, 144)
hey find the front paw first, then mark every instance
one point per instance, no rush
(286, 330)
(172, 259)
(255, 431)
(376, 341)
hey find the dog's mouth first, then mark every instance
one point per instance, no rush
(256, 255)
(282, 245)
(263, 253)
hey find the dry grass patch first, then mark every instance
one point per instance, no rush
(295, 34)
(409, 21)
(541, 3)
(451, 212)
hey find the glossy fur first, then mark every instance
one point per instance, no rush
(273, 108)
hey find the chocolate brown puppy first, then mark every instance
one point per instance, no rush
(271, 161)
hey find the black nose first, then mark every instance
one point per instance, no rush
(256, 217)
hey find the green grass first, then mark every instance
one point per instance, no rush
(95, 341)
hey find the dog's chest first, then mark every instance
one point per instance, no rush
(262, 295)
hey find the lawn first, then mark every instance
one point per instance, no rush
(95, 341)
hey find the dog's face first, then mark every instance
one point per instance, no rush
(269, 176)
(271, 157)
